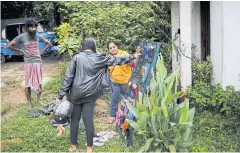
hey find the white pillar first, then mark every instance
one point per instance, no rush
(217, 43)
(196, 30)
(175, 25)
(185, 41)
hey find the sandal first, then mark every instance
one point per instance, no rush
(97, 143)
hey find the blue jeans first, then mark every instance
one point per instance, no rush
(117, 90)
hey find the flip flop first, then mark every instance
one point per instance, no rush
(107, 134)
(100, 138)
(97, 143)
(33, 115)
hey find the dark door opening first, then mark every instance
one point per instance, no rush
(205, 29)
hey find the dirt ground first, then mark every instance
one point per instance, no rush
(12, 91)
(12, 81)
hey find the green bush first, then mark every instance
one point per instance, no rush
(202, 71)
(124, 22)
(164, 124)
(213, 97)
(214, 132)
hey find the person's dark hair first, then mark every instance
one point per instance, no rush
(30, 22)
(89, 43)
(113, 43)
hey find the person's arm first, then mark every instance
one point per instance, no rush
(16, 40)
(48, 44)
(69, 76)
(120, 60)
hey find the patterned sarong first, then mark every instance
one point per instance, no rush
(33, 75)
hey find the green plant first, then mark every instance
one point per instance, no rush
(166, 51)
(165, 125)
(214, 132)
(202, 71)
(67, 39)
(124, 22)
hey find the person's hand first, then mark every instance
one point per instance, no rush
(137, 55)
(65, 97)
(41, 51)
(24, 53)
(58, 101)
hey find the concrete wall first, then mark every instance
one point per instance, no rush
(216, 34)
(196, 30)
(175, 25)
(225, 41)
(186, 42)
(231, 47)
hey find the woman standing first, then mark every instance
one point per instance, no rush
(120, 75)
(86, 80)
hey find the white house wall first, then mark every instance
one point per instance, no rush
(186, 42)
(196, 30)
(175, 25)
(216, 36)
(225, 41)
(231, 47)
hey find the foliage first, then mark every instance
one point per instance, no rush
(208, 96)
(166, 52)
(202, 71)
(21, 9)
(67, 39)
(213, 97)
(233, 102)
(214, 132)
(24, 9)
(165, 125)
(124, 22)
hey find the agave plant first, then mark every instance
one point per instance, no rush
(165, 125)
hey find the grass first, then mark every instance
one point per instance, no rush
(38, 135)
(212, 132)
(215, 132)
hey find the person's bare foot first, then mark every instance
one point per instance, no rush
(89, 149)
(110, 120)
(29, 107)
(72, 148)
(60, 130)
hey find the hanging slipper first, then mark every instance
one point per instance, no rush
(151, 54)
(146, 71)
(150, 59)
(143, 74)
(146, 52)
